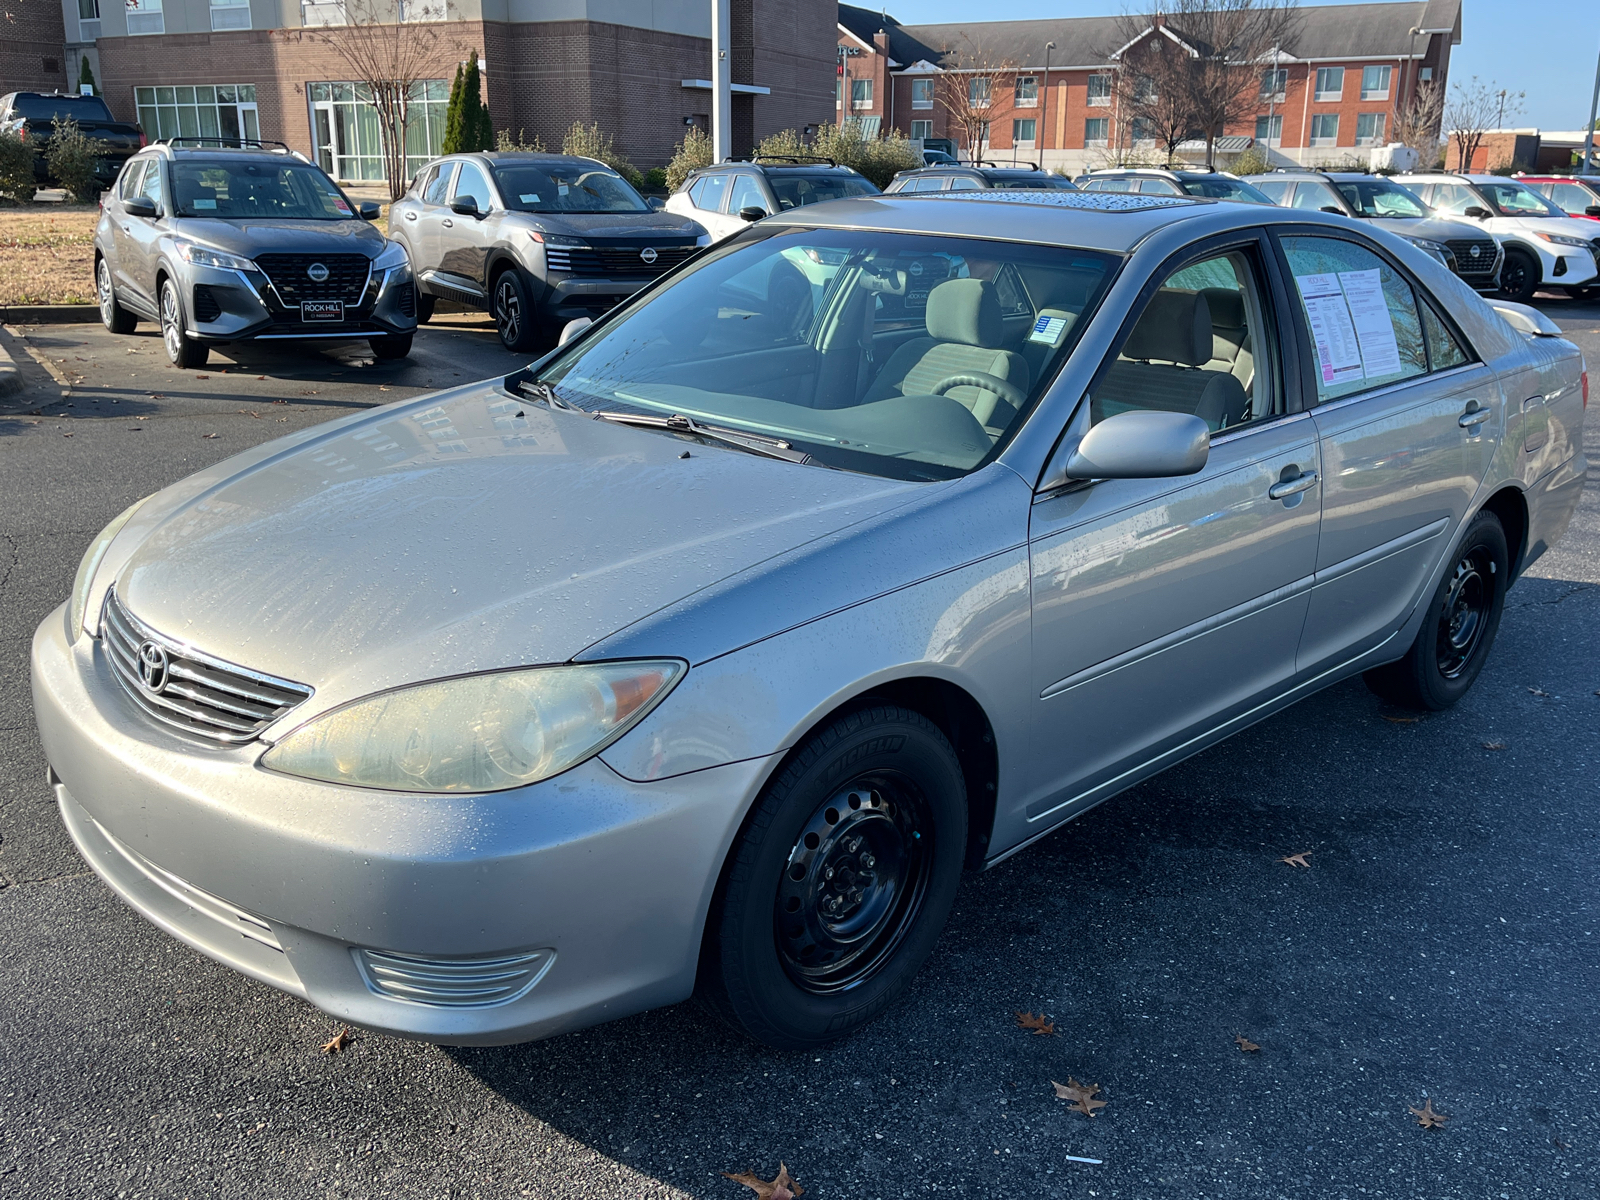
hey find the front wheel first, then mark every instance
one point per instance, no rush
(1460, 627)
(115, 318)
(425, 304)
(182, 349)
(395, 346)
(513, 315)
(1519, 276)
(840, 883)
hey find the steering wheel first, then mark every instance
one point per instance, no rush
(1008, 392)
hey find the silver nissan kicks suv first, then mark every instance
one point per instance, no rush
(246, 241)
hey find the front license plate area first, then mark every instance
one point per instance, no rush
(321, 310)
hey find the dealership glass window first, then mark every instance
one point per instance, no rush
(1330, 83)
(1274, 83)
(838, 93)
(1375, 83)
(1325, 129)
(861, 93)
(230, 14)
(144, 16)
(921, 130)
(346, 131)
(88, 20)
(1096, 131)
(1370, 128)
(223, 110)
(922, 93)
(1023, 132)
(1099, 90)
(1269, 130)
(1027, 91)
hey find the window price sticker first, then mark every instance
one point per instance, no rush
(1350, 324)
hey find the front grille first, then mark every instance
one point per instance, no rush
(453, 982)
(206, 307)
(347, 276)
(191, 691)
(1465, 263)
(611, 262)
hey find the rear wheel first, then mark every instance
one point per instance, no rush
(513, 315)
(1519, 276)
(397, 346)
(840, 883)
(1460, 627)
(182, 349)
(116, 318)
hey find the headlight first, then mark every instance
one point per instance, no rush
(703, 240)
(202, 256)
(477, 733)
(559, 240)
(1561, 239)
(1437, 250)
(394, 255)
(90, 563)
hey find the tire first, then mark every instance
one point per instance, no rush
(425, 304)
(115, 318)
(514, 318)
(1460, 627)
(392, 347)
(183, 350)
(1520, 275)
(793, 964)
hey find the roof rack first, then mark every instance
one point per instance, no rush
(226, 143)
(790, 158)
(1001, 166)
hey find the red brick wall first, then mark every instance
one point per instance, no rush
(31, 36)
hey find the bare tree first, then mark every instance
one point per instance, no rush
(389, 47)
(1153, 94)
(976, 89)
(1417, 120)
(1473, 111)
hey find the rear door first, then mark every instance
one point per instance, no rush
(432, 210)
(1406, 432)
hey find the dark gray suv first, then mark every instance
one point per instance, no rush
(246, 243)
(536, 239)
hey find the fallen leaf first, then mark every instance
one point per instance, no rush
(202, 377)
(1426, 1117)
(1555, 1141)
(384, 387)
(1402, 720)
(1297, 860)
(1080, 1096)
(245, 412)
(1245, 1043)
(66, 435)
(338, 1042)
(781, 1188)
(156, 396)
(1538, 692)
(1038, 1024)
(260, 376)
(1494, 745)
(210, 435)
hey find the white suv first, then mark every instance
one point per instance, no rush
(1544, 247)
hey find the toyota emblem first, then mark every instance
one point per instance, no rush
(648, 254)
(153, 668)
(318, 272)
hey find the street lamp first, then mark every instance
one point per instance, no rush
(1044, 118)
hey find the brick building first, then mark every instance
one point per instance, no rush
(640, 68)
(32, 47)
(1340, 79)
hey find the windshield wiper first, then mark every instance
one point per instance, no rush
(540, 390)
(678, 423)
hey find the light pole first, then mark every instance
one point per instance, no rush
(1588, 137)
(1044, 119)
(721, 80)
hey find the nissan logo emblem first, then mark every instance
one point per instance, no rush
(648, 254)
(1476, 251)
(317, 271)
(152, 668)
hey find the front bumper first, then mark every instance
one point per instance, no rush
(287, 880)
(567, 299)
(237, 306)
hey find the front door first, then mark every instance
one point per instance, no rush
(327, 143)
(1407, 424)
(145, 234)
(1162, 608)
(464, 241)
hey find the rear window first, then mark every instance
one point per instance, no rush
(44, 108)
(1042, 182)
(1226, 189)
(796, 191)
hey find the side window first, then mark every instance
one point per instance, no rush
(152, 185)
(1313, 195)
(747, 193)
(1274, 189)
(1444, 351)
(131, 179)
(965, 183)
(471, 183)
(1361, 313)
(1160, 187)
(1111, 185)
(438, 186)
(709, 193)
(1453, 198)
(1203, 345)
(929, 183)
(1570, 197)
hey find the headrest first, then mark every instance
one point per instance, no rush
(1176, 327)
(966, 311)
(1227, 307)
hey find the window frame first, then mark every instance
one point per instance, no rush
(1323, 139)
(1375, 138)
(926, 85)
(864, 100)
(1274, 121)
(735, 178)
(1388, 82)
(1101, 99)
(1105, 131)
(1025, 91)
(1328, 95)
(925, 134)
(1278, 76)
(1017, 139)
(488, 183)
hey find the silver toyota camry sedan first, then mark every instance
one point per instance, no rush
(864, 548)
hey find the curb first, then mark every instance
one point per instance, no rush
(48, 314)
(10, 377)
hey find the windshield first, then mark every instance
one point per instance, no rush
(796, 191)
(904, 355)
(1225, 189)
(265, 187)
(1514, 200)
(1042, 182)
(563, 188)
(1381, 199)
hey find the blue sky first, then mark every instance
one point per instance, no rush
(1546, 48)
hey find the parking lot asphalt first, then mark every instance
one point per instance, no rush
(1444, 941)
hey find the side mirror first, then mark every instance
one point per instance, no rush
(141, 206)
(752, 212)
(1476, 212)
(464, 206)
(369, 210)
(1338, 212)
(1592, 211)
(655, 203)
(1142, 444)
(573, 328)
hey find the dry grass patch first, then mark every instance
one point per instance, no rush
(47, 254)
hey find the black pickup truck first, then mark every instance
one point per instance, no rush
(29, 115)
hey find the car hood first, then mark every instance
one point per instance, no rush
(1568, 226)
(640, 226)
(463, 532)
(263, 236)
(1433, 229)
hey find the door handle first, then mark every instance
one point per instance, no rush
(448, 223)
(1531, 401)
(1290, 487)
(411, 216)
(1470, 420)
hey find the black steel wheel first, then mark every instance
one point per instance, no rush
(1519, 276)
(115, 318)
(396, 345)
(513, 314)
(839, 883)
(183, 350)
(1458, 629)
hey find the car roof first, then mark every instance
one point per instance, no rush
(1456, 177)
(497, 157)
(823, 165)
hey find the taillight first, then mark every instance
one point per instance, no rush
(22, 133)
(143, 141)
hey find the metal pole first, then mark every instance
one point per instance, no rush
(721, 92)
(1272, 97)
(1043, 143)
(1594, 110)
